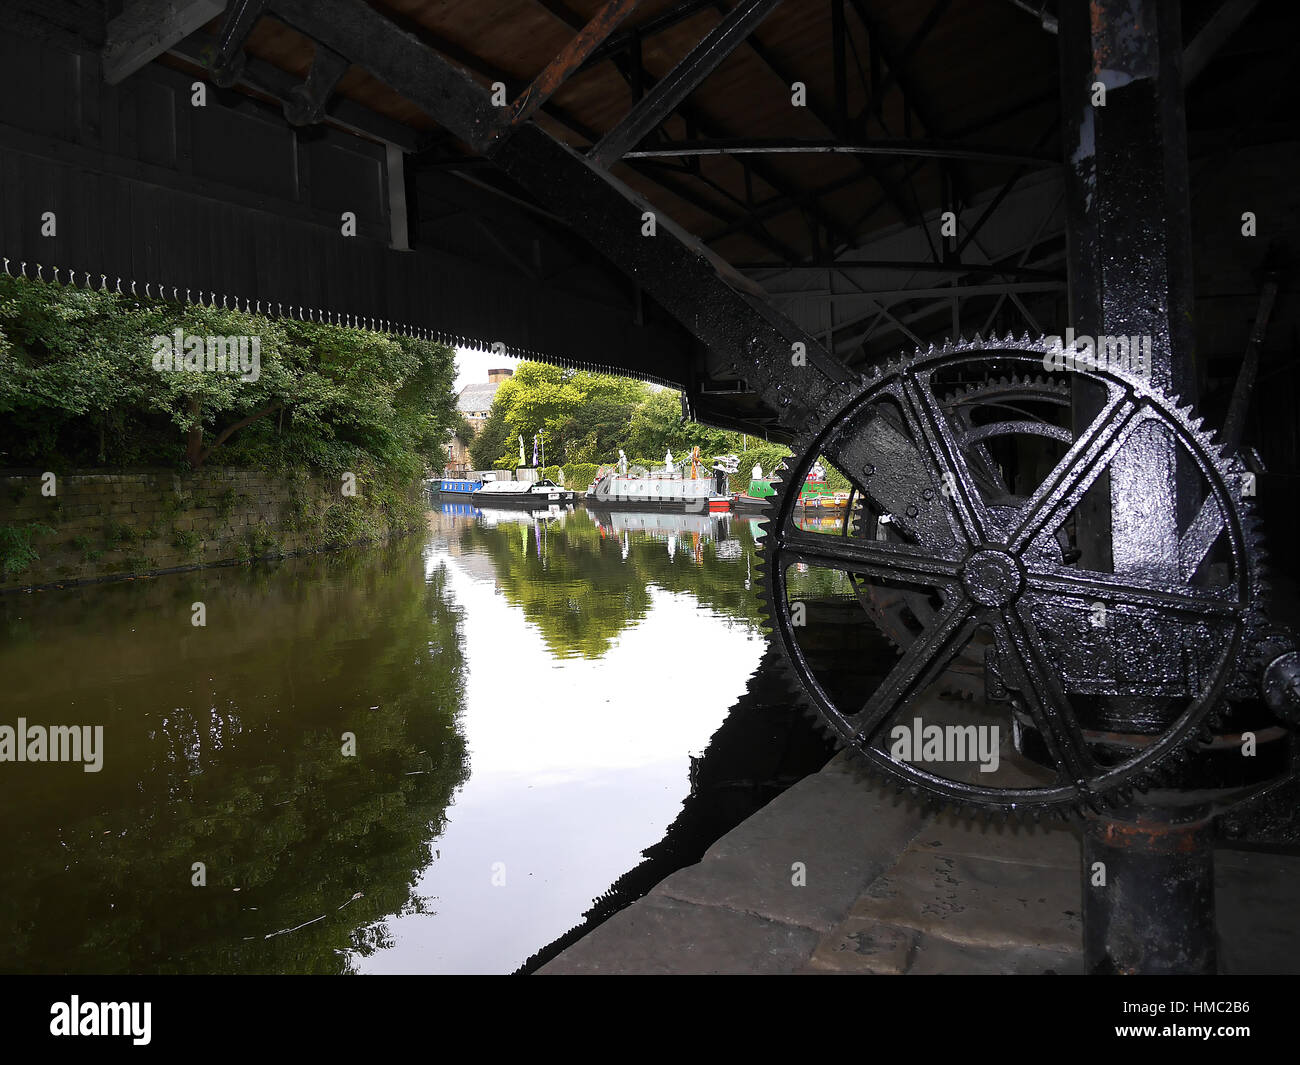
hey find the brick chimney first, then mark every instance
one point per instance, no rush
(497, 376)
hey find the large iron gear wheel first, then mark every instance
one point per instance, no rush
(999, 567)
(981, 411)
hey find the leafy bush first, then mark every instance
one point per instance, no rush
(577, 475)
(78, 386)
(16, 550)
(769, 456)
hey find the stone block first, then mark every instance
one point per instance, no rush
(934, 955)
(864, 946)
(752, 868)
(662, 935)
(978, 901)
(1056, 845)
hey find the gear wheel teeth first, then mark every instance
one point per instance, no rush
(1028, 382)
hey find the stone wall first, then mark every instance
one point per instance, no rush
(101, 525)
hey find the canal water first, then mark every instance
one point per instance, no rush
(449, 754)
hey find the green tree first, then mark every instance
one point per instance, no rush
(655, 424)
(598, 426)
(78, 384)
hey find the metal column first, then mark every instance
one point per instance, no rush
(1128, 246)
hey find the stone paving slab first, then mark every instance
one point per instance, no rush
(828, 831)
(1057, 845)
(935, 955)
(891, 890)
(865, 945)
(979, 902)
(659, 935)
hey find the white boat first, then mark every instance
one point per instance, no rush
(521, 493)
(642, 490)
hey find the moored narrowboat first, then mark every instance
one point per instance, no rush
(522, 493)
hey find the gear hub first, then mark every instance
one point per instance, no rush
(992, 577)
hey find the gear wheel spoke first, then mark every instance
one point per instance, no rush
(1043, 696)
(1079, 469)
(895, 561)
(921, 663)
(1129, 591)
(934, 436)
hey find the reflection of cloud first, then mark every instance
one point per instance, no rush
(550, 714)
(478, 567)
(576, 766)
(662, 525)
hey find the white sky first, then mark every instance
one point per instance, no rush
(473, 366)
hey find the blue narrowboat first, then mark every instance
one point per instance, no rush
(450, 486)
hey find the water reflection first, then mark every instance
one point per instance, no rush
(223, 746)
(533, 696)
(584, 578)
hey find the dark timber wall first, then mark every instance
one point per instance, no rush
(229, 199)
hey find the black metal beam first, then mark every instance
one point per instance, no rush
(474, 64)
(897, 62)
(235, 28)
(998, 288)
(1213, 36)
(914, 100)
(839, 63)
(925, 149)
(463, 57)
(681, 81)
(725, 312)
(973, 231)
(147, 28)
(470, 62)
(753, 226)
(266, 80)
(1024, 257)
(652, 27)
(674, 182)
(1129, 256)
(751, 167)
(639, 80)
(784, 202)
(909, 265)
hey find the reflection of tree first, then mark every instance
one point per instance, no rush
(569, 581)
(580, 591)
(222, 745)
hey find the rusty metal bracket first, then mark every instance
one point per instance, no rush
(567, 62)
(306, 103)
